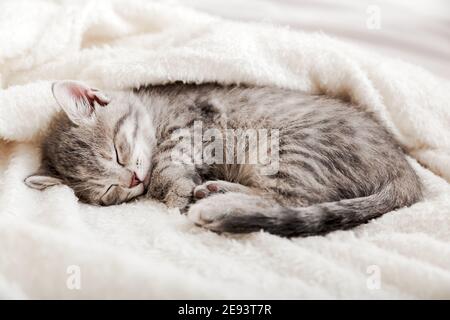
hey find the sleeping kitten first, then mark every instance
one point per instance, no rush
(337, 167)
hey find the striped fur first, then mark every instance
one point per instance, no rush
(338, 167)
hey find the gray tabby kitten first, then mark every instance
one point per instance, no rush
(338, 167)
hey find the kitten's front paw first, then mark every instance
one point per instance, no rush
(174, 200)
(180, 195)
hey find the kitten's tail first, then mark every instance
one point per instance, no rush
(321, 218)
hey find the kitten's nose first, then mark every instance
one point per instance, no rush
(134, 180)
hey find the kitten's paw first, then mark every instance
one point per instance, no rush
(219, 186)
(208, 188)
(180, 195)
(174, 200)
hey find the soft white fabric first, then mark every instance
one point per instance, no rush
(142, 250)
(414, 30)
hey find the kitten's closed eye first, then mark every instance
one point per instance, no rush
(108, 197)
(117, 156)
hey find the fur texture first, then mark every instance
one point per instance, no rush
(336, 166)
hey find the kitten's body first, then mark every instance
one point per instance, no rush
(337, 166)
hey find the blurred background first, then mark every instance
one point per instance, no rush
(417, 31)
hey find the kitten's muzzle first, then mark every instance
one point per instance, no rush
(134, 181)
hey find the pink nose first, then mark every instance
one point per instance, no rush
(134, 180)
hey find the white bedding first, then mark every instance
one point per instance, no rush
(417, 31)
(142, 250)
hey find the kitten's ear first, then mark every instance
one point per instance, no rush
(78, 100)
(40, 181)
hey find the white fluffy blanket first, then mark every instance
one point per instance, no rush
(51, 246)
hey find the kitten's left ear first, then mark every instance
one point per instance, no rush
(78, 99)
(41, 181)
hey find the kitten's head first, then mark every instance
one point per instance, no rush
(100, 145)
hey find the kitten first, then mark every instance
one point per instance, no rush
(337, 167)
